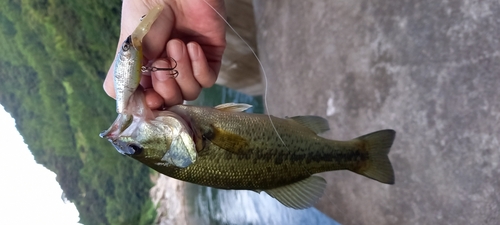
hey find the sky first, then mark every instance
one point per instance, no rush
(29, 193)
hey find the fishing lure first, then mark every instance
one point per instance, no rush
(128, 62)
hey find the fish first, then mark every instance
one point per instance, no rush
(126, 76)
(227, 148)
(128, 61)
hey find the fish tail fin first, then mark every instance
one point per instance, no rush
(378, 167)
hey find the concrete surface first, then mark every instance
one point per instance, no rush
(240, 68)
(428, 69)
(168, 195)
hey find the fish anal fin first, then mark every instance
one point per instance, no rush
(316, 123)
(233, 107)
(300, 195)
(378, 166)
(228, 141)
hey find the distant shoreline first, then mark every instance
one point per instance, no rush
(168, 195)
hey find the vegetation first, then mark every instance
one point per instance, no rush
(55, 54)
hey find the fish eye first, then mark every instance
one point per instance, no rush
(125, 46)
(137, 149)
(127, 43)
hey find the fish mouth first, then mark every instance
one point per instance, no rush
(124, 148)
(121, 123)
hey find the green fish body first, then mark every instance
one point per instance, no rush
(225, 148)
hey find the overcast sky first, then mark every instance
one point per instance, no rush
(29, 193)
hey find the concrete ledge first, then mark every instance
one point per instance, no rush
(430, 70)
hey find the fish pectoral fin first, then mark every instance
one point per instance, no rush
(300, 195)
(233, 107)
(316, 123)
(228, 141)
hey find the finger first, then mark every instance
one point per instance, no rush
(153, 99)
(165, 85)
(156, 39)
(146, 81)
(189, 86)
(202, 72)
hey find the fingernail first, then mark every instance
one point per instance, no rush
(176, 49)
(193, 52)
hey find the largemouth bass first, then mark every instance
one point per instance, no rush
(223, 147)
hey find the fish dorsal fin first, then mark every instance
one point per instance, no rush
(300, 195)
(233, 107)
(316, 123)
(228, 141)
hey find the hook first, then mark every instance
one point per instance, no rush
(173, 72)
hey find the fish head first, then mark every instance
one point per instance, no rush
(165, 140)
(128, 49)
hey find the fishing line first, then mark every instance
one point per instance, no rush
(263, 73)
(261, 67)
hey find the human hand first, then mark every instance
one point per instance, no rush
(188, 31)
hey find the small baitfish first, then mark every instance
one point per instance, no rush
(223, 147)
(128, 61)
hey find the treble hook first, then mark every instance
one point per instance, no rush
(173, 72)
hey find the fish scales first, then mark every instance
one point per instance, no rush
(264, 162)
(127, 72)
(128, 61)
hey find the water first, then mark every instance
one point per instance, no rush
(218, 94)
(214, 206)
